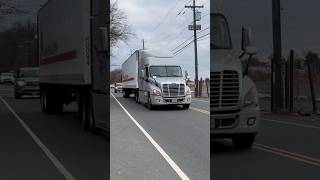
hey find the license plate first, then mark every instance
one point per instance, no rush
(174, 100)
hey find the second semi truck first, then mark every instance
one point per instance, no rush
(155, 79)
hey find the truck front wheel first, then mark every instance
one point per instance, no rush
(244, 141)
(186, 106)
(149, 104)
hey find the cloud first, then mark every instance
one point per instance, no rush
(163, 24)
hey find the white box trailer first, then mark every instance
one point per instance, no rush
(130, 72)
(155, 79)
(73, 54)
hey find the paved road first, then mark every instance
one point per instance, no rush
(39, 146)
(183, 135)
(284, 149)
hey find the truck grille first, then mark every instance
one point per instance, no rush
(173, 90)
(32, 83)
(224, 89)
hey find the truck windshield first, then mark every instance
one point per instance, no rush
(28, 73)
(6, 74)
(165, 71)
(221, 35)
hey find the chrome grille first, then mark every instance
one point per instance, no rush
(224, 89)
(32, 83)
(173, 90)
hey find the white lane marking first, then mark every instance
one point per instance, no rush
(200, 100)
(54, 160)
(291, 123)
(175, 167)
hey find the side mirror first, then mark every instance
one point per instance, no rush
(246, 42)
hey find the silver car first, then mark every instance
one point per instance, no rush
(27, 82)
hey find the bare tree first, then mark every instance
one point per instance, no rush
(119, 28)
(115, 76)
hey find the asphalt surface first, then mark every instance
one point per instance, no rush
(36, 146)
(182, 134)
(284, 149)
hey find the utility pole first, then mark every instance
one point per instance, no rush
(277, 61)
(194, 7)
(143, 44)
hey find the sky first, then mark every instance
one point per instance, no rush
(300, 24)
(162, 27)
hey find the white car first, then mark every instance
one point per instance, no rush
(117, 87)
(7, 78)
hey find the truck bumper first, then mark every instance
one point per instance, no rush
(28, 91)
(161, 101)
(245, 121)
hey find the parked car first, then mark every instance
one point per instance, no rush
(117, 87)
(27, 82)
(7, 78)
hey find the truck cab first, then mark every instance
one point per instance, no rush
(233, 101)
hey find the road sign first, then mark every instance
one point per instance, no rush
(198, 27)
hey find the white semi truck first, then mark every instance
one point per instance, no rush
(73, 54)
(233, 95)
(155, 79)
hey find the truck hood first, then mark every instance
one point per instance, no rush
(224, 60)
(170, 80)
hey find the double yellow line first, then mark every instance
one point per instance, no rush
(295, 156)
(200, 110)
(280, 152)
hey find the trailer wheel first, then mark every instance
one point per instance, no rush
(86, 111)
(136, 95)
(126, 93)
(51, 100)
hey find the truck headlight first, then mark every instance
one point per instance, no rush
(21, 83)
(188, 91)
(251, 97)
(155, 92)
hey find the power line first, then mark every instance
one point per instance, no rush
(187, 45)
(166, 16)
(190, 38)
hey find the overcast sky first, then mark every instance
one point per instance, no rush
(300, 24)
(144, 17)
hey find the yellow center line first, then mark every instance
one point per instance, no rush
(288, 154)
(200, 110)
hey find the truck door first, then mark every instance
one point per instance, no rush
(100, 63)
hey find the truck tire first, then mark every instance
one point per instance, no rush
(149, 104)
(244, 141)
(86, 111)
(51, 101)
(185, 106)
(136, 96)
(125, 93)
(17, 96)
